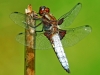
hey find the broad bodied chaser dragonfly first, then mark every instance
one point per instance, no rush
(56, 31)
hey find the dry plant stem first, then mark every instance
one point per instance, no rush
(30, 49)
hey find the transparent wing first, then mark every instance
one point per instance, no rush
(21, 38)
(70, 16)
(74, 35)
(41, 41)
(19, 19)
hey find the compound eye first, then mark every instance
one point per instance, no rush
(41, 11)
(47, 10)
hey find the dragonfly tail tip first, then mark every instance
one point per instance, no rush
(67, 70)
(79, 3)
(87, 26)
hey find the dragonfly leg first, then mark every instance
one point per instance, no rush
(38, 24)
(40, 30)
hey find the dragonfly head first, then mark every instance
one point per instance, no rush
(43, 10)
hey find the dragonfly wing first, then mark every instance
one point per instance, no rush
(21, 38)
(70, 16)
(74, 35)
(19, 19)
(42, 42)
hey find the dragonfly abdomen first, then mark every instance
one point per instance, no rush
(57, 45)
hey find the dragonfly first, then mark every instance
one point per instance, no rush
(55, 31)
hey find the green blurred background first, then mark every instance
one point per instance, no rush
(84, 57)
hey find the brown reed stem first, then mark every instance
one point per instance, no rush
(30, 42)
